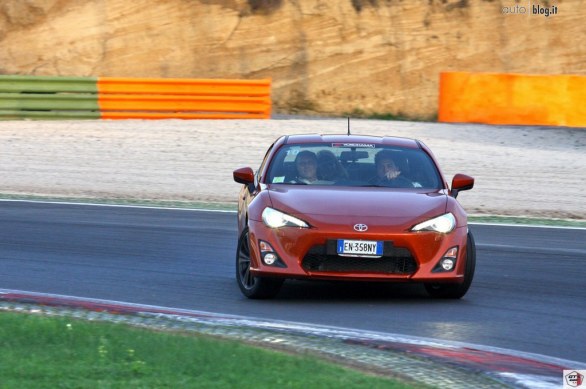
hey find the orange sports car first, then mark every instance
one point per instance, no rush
(351, 207)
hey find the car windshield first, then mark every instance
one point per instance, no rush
(357, 165)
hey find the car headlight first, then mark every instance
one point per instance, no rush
(444, 224)
(276, 219)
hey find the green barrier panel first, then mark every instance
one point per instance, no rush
(43, 97)
(19, 84)
(62, 101)
(47, 115)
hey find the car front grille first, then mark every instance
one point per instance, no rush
(395, 260)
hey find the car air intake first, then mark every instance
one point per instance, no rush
(395, 260)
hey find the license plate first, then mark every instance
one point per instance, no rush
(360, 247)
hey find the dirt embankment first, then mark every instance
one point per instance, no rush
(329, 56)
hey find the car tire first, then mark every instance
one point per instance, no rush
(251, 286)
(456, 291)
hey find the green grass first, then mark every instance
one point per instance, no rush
(57, 352)
(120, 201)
(520, 220)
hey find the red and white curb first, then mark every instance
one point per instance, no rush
(439, 363)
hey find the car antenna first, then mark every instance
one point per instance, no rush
(348, 125)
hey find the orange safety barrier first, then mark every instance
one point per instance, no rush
(152, 98)
(516, 99)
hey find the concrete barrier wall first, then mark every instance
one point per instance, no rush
(517, 99)
(30, 97)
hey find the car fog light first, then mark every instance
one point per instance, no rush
(447, 264)
(269, 258)
(448, 261)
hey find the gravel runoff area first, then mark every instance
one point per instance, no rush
(519, 171)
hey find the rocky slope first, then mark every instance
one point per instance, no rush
(327, 56)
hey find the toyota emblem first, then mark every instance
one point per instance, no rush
(360, 227)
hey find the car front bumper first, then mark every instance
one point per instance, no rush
(307, 253)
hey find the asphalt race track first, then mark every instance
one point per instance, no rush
(529, 292)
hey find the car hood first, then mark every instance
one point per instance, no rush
(363, 202)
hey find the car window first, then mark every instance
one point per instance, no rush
(352, 165)
(264, 161)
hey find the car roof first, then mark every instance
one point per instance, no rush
(353, 139)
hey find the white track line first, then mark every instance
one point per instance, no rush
(234, 211)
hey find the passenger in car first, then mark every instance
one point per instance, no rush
(329, 168)
(306, 164)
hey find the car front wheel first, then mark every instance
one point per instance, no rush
(456, 291)
(251, 286)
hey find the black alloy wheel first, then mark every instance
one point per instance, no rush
(251, 286)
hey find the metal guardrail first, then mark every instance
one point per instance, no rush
(41, 97)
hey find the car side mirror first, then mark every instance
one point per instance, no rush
(461, 182)
(244, 175)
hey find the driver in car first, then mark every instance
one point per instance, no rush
(387, 172)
